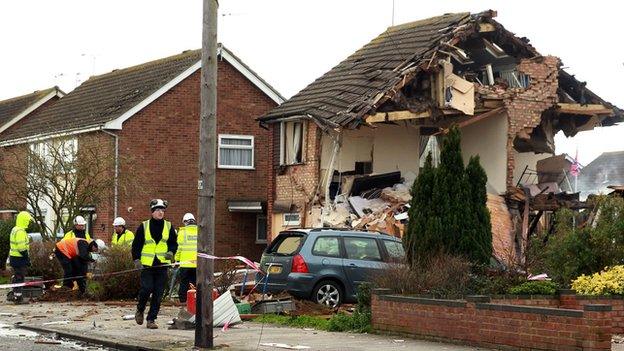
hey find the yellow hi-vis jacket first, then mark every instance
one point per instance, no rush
(19, 238)
(124, 238)
(70, 234)
(152, 250)
(187, 246)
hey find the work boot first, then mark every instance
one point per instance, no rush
(152, 325)
(138, 317)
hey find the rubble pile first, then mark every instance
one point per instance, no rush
(373, 204)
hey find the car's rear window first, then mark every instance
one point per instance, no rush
(286, 244)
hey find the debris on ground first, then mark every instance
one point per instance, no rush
(285, 346)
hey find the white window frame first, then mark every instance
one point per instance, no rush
(240, 147)
(304, 127)
(291, 223)
(258, 240)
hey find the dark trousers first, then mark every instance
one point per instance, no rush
(187, 276)
(73, 270)
(153, 282)
(19, 274)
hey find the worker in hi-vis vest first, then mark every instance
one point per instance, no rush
(74, 255)
(18, 253)
(187, 254)
(153, 249)
(121, 235)
(79, 230)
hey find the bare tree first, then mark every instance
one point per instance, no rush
(62, 175)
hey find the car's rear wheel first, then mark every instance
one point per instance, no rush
(328, 293)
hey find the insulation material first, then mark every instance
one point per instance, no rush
(458, 92)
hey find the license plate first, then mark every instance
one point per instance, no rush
(275, 269)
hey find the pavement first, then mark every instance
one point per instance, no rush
(102, 323)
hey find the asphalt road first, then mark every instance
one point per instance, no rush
(19, 339)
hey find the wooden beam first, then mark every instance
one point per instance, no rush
(486, 27)
(578, 109)
(393, 116)
(475, 119)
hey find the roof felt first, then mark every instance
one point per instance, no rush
(347, 88)
(11, 108)
(103, 98)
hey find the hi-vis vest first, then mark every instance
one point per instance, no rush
(18, 241)
(124, 238)
(151, 249)
(69, 246)
(70, 234)
(187, 246)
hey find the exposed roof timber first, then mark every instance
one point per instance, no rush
(578, 109)
(475, 119)
(404, 115)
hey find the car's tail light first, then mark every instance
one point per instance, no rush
(299, 265)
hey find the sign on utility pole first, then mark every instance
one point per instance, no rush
(206, 184)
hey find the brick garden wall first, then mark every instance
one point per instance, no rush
(481, 322)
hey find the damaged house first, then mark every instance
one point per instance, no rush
(346, 149)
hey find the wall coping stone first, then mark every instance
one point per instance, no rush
(382, 291)
(598, 308)
(524, 297)
(478, 298)
(566, 292)
(531, 309)
(423, 301)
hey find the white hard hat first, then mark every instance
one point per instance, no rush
(79, 220)
(188, 217)
(119, 222)
(101, 244)
(158, 203)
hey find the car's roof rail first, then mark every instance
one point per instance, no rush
(348, 230)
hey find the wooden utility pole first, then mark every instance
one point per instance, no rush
(206, 184)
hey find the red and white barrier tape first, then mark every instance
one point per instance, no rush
(245, 260)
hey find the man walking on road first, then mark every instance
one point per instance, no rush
(153, 247)
(18, 254)
(187, 254)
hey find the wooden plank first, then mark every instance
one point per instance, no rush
(475, 119)
(392, 116)
(578, 109)
(486, 27)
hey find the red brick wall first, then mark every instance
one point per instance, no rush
(494, 325)
(162, 142)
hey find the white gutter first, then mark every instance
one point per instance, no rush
(41, 137)
(116, 170)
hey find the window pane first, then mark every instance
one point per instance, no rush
(362, 249)
(395, 249)
(326, 246)
(235, 141)
(288, 245)
(235, 157)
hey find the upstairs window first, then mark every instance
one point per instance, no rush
(236, 151)
(292, 142)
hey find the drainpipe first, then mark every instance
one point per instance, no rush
(116, 169)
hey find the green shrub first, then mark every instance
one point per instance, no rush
(43, 262)
(535, 288)
(359, 322)
(118, 286)
(294, 321)
(607, 282)
(486, 282)
(442, 275)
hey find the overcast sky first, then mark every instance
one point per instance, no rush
(290, 42)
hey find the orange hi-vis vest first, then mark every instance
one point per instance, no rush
(69, 246)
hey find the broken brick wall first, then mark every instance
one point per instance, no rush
(296, 184)
(525, 106)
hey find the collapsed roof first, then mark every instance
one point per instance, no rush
(386, 73)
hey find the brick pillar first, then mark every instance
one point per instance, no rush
(567, 299)
(597, 327)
